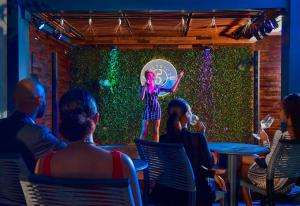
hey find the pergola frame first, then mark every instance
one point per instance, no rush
(18, 29)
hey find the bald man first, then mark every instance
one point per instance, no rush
(19, 133)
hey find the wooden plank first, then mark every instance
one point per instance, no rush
(154, 5)
(159, 40)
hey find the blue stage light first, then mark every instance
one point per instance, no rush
(42, 25)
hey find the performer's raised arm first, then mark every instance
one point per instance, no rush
(173, 89)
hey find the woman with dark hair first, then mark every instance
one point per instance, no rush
(82, 158)
(152, 111)
(197, 150)
(255, 168)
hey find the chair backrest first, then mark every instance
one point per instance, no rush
(11, 166)
(42, 190)
(169, 164)
(285, 162)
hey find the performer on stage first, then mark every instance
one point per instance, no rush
(152, 111)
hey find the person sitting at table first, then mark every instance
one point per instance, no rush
(20, 133)
(197, 150)
(254, 169)
(82, 158)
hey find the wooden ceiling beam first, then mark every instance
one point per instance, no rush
(159, 41)
(154, 5)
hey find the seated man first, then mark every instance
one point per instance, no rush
(19, 132)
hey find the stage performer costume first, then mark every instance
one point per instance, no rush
(152, 110)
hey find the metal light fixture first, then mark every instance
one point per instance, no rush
(90, 21)
(150, 22)
(42, 25)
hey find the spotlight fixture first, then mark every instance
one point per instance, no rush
(42, 25)
(258, 27)
(58, 35)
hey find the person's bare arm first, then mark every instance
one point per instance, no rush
(173, 89)
(142, 95)
(38, 167)
(264, 139)
(129, 171)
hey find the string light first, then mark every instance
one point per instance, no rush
(90, 21)
(150, 22)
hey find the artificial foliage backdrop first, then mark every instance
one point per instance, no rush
(218, 90)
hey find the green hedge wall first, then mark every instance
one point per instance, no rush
(229, 118)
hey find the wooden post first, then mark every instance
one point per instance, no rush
(54, 93)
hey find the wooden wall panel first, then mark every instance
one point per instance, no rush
(41, 47)
(270, 79)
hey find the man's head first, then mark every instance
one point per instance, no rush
(30, 98)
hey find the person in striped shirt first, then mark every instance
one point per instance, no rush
(254, 169)
(152, 110)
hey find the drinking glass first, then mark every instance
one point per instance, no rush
(194, 119)
(265, 123)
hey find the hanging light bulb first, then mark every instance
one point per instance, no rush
(62, 22)
(120, 21)
(90, 21)
(182, 21)
(149, 22)
(213, 23)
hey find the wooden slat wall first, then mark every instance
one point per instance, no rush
(41, 49)
(270, 79)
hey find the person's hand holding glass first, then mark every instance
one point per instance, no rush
(198, 124)
(262, 136)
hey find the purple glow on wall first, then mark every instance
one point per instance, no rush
(205, 80)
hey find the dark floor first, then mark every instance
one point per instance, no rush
(257, 203)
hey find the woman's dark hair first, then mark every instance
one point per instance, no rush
(77, 111)
(291, 107)
(179, 103)
(176, 108)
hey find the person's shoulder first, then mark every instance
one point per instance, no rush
(277, 134)
(36, 129)
(31, 133)
(186, 132)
